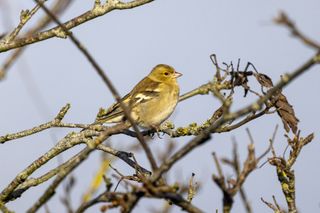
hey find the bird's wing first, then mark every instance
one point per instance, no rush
(114, 113)
(147, 89)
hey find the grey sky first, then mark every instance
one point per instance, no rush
(182, 33)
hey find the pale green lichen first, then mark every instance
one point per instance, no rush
(285, 78)
(60, 33)
(256, 107)
(191, 129)
(167, 125)
(317, 58)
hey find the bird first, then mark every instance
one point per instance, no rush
(150, 102)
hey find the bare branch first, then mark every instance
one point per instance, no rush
(123, 156)
(271, 142)
(98, 10)
(284, 20)
(285, 173)
(275, 207)
(56, 122)
(77, 160)
(25, 16)
(4, 209)
(58, 7)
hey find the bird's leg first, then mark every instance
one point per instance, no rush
(156, 129)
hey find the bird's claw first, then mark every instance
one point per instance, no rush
(156, 131)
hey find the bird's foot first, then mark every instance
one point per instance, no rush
(157, 131)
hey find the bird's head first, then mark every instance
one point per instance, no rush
(164, 73)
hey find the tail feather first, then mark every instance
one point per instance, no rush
(109, 116)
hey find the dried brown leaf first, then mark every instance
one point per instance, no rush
(241, 79)
(286, 113)
(263, 80)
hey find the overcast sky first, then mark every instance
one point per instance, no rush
(127, 44)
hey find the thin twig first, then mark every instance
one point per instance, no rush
(271, 142)
(58, 7)
(56, 122)
(57, 31)
(4, 209)
(25, 16)
(284, 20)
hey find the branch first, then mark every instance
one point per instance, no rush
(128, 200)
(99, 9)
(123, 156)
(179, 201)
(56, 122)
(66, 143)
(104, 197)
(285, 173)
(205, 89)
(77, 160)
(284, 20)
(4, 209)
(58, 7)
(37, 181)
(25, 16)
(69, 141)
(231, 189)
(275, 207)
(195, 129)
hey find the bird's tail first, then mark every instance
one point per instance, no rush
(109, 116)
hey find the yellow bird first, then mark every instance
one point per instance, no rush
(150, 102)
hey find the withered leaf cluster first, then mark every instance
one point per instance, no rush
(286, 112)
(278, 100)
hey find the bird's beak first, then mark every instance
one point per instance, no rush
(177, 74)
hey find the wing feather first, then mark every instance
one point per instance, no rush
(145, 90)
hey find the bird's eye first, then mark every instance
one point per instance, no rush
(166, 73)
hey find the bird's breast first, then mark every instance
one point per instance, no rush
(157, 110)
